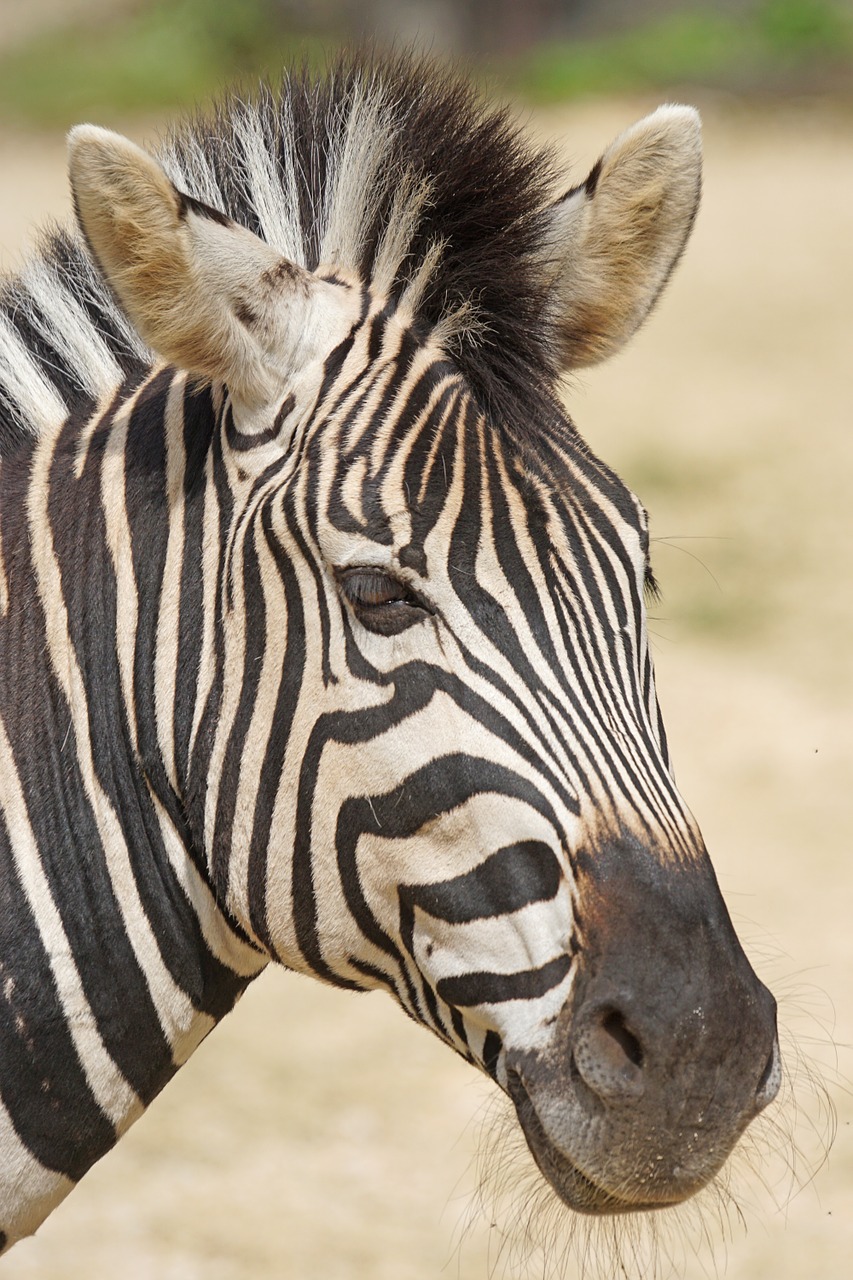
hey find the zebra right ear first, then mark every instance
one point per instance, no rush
(206, 294)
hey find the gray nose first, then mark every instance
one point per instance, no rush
(616, 1057)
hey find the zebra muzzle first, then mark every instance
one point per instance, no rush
(664, 1052)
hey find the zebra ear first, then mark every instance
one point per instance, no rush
(613, 242)
(203, 292)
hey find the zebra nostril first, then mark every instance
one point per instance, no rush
(609, 1057)
(771, 1078)
(614, 1025)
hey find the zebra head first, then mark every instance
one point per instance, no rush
(415, 733)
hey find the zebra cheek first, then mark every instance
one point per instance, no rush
(508, 973)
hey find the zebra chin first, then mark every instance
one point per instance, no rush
(576, 1189)
(606, 1159)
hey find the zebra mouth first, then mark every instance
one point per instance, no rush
(575, 1188)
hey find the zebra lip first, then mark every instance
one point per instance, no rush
(571, 1184)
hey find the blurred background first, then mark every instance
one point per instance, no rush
(317, 1134)
(63, 58)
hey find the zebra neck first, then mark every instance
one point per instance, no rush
(114, 959)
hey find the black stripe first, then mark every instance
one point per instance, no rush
(459, 1027)
(301, 502)
(410, 695)
(333, 394)
(287, 698)
(212, 987)
(22, 313)
(190, 204)
(492, 1046)
(244, 442)
(512, 878)
(248, 679)
(472, 989)
(196, 793)
(198, 423)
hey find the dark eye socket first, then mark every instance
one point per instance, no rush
(381, 602)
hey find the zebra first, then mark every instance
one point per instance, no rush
(323, 633)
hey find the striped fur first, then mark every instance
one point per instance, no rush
(366, 691)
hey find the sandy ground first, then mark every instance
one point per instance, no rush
(321, 1135)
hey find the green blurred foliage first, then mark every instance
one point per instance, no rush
(767, 48)
(802, 27)
(165, 54)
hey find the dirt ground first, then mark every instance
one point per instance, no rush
(320, 1135)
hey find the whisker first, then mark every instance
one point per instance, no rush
(674, 542)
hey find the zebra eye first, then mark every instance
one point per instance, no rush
(382, 603)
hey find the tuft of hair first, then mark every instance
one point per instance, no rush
(390, 166)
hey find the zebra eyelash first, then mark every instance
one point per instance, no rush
(381, 602)
(651, 586)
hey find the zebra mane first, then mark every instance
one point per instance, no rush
(391, 167)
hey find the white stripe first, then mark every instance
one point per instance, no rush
(209, 567)
(89, 287)
(410, 200)
(358, 178)
(193, 173)
(229, 949)
(35, 401)
(166, 651)
(63, 322)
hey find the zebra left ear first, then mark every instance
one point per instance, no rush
(613, 242)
